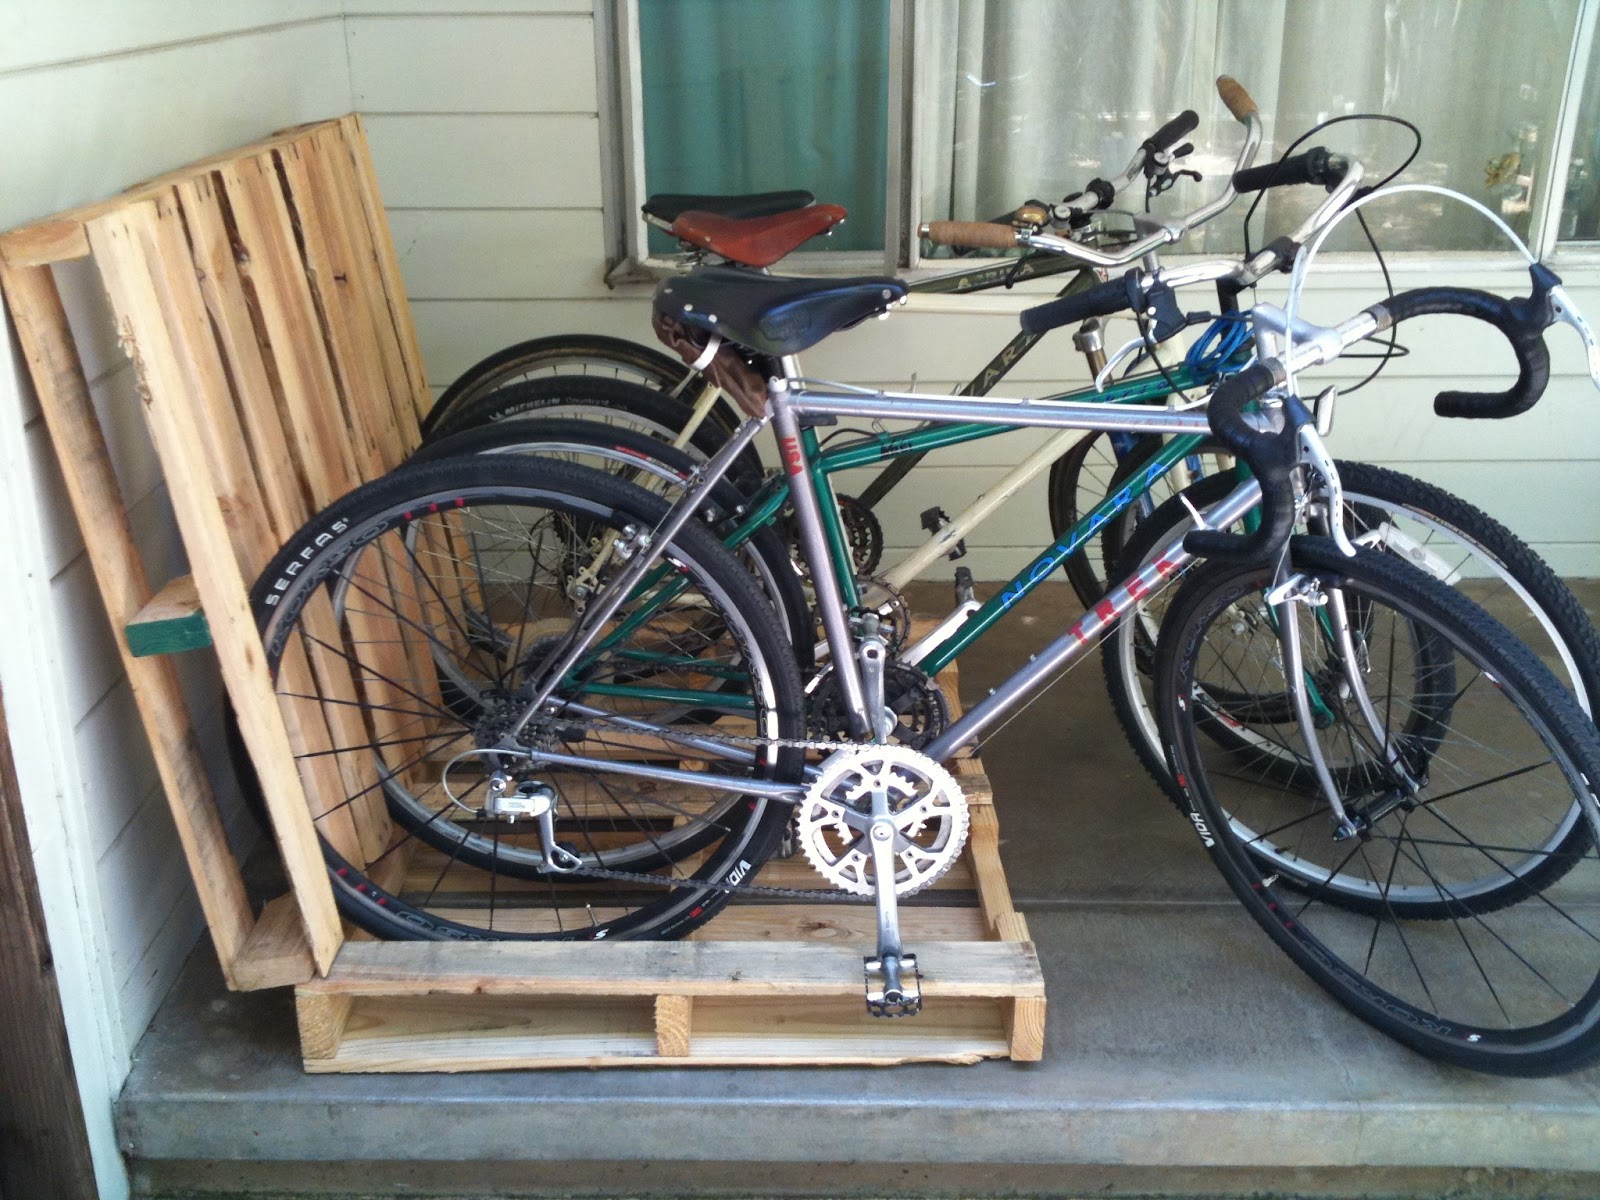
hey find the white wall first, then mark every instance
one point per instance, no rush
(99, 94)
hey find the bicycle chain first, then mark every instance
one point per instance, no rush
(833, 895)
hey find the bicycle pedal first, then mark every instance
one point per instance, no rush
(884, 1000)
(935, 519)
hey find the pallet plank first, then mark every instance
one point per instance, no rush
(275, 954)
(123, 242)
(660, 968)
(171, 623)
(674, 1026)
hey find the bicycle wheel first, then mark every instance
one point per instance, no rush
(659, 468)
(1459, 948)
(405, 628)
(591, 355)
(611, 402)
(1424, 525)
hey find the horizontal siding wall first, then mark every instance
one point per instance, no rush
(494, 192)
(109, 92)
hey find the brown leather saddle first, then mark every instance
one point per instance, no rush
(756, 241)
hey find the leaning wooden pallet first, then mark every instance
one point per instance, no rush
(259, 297)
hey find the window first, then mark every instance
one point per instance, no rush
(767, 97)
(961, 109)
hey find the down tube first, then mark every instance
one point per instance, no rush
(1041, 568)
(1084, 632)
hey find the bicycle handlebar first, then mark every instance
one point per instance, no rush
(1523, 323)
(956, 233)
(985, 235)
(1237, 99)
(1174, 131)
(1316, 165)
(1272, 455)
(1102, 300)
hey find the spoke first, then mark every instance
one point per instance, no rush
(1466, 942)
(1322, 888)
(466, 637)
(1394, 918)
(1472, 787)
(1478, 919)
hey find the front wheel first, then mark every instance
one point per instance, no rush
(1454, 949)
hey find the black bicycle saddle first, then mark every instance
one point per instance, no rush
(770, 313)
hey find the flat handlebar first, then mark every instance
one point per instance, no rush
(984, 234)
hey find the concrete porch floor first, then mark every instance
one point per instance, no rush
(1185, 1056)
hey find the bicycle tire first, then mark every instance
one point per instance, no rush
(565, 354)
(1553, 622)
(635, 452)
(611, 401)
(385, 532)
(1421, 979)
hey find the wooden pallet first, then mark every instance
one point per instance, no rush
(773, 984)
(259, 298)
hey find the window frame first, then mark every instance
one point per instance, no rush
(621, 112)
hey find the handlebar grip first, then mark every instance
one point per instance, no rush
(971, 233)
(1236, 98)
(1271, 457)
(1522, 323)
(1173, 131)
(1314, 166)
(1101, 300)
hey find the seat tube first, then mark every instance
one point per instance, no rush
(814, 542)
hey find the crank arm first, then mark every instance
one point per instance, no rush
(898, 991)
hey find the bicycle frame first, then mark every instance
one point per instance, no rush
(793, 399)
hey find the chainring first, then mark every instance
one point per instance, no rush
(862, 532)
(929, 812)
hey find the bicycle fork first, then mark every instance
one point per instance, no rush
(1292, 589)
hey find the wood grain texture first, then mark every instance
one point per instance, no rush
(674, 1026)
(171, 623)
(128, 247)
(44, 1146)
(275, 954)
(704, 969)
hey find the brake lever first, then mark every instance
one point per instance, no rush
(1564, 312)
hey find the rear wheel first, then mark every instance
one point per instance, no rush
(659, 468)
(405, 630)
(610, 402)
(590, 355)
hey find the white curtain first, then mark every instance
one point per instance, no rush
(1027, 100)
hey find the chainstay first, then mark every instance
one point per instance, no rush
(832, 895)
